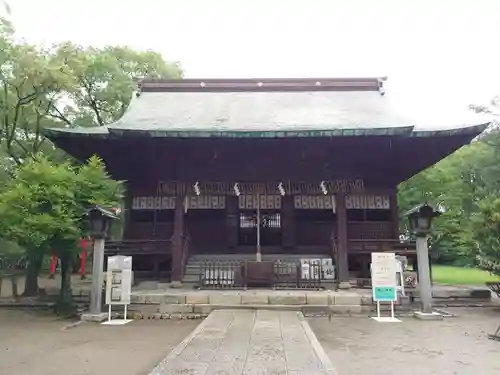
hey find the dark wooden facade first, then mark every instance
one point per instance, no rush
(276, 139)
(346, 225)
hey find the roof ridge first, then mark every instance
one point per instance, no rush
(262, 84)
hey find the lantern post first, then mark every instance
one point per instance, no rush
(83, 258)
(99, 222)
(420, 224)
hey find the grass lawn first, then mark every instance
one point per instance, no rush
(461, 276)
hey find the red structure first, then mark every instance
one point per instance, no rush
(302, 167)
(53, 266)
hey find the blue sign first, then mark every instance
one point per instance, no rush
(384, 293)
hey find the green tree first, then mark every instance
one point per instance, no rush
(104, 81)
(457, 184)
(63, 86)
(41, 210)
(31, 82)
(486, 233)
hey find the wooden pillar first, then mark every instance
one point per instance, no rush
(232, 221)
(178, 240)
(156, 267)
(127, 211)
(393, 201)
(288, 222)
(342, 244)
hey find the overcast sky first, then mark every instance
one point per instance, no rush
(443, 51)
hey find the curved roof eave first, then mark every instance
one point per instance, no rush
(298, 132)
(102, 132)
(465, 130)
(79, 132)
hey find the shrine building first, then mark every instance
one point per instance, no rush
(282, 167)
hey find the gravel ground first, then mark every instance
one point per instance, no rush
(36, 344)
(360, 345)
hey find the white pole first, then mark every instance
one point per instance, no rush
(109, 313)
(378, 309)
(335, 241)
(392, 309)
(424, 278)
(125, 312)
(259, 254)
(97, 276)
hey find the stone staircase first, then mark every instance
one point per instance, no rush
(195, 261)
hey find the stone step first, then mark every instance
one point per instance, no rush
(190, 278)
(249, 297)
(204, 309)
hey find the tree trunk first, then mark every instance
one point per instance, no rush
(65, 304)
(31, 288)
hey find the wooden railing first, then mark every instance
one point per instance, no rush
(138, 247)
(360, 246)
(278, 274)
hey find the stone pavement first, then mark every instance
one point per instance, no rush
(243, 342)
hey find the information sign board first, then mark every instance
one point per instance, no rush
(119, 280)
(384, 277)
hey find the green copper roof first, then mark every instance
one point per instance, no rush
(279, 113)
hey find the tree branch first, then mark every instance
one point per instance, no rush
(91, 100)
(59, 115)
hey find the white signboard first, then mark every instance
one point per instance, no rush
(328, 269)
(304, 271)
(119, 280)
(310, 268)
(200, 202)
(314, 202)
(367, 202)
(267, 202)
(219, 276)
(383, 269)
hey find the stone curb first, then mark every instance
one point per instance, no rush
(158, 369)
(136, 315)
(176, 310)
(318, 349)
(245, 299)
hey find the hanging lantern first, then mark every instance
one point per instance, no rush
(236, 189)
(196, 188)
(323, 187)
(281, 189)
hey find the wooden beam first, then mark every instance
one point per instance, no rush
(288, 221)
(178, 240)
(342, 243)
(393, 196)
(232, 221)
(127, 224)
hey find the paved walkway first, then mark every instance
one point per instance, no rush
(243, 342)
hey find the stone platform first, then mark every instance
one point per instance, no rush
(153, 301)
(250, 343)
(178, 301)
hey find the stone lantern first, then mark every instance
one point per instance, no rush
(420, 223)
(99, 224)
